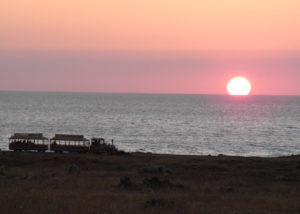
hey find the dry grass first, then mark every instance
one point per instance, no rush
(44, 183)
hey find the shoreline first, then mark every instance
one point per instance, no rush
(169, 154)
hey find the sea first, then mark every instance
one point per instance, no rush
(160, 123)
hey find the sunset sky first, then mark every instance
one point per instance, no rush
(158, 46)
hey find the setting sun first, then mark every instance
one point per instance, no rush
(239, 86)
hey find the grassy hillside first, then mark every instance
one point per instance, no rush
(147, 183)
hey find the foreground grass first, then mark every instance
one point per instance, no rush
(76, 183)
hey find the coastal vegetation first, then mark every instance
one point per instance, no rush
(33, 182)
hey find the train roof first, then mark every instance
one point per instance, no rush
(28, 136)
(68, 137)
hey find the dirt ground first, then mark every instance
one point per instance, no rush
(147, 183)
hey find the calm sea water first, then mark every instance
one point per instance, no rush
(177, 124)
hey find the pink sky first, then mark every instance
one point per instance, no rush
(144, 72)
(158, 46)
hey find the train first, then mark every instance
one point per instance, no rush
(60, 143)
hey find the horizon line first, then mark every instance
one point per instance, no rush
(146, 93)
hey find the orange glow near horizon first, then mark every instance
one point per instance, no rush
(189, 47)
(239, 86)
(155, 25)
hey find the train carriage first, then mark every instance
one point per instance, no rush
(28, 142)
(59, 143)
(69, 143)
